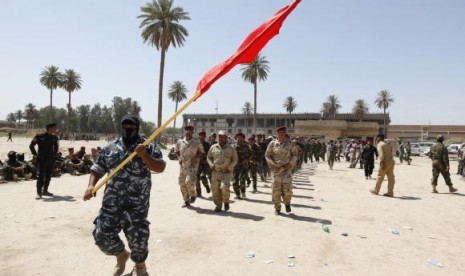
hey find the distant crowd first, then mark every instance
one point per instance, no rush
(16, 168)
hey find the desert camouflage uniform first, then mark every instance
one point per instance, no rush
(220, 159)
(189, 151)
(125, 202)
(281, 154)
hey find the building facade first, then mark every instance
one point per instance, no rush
(299, 124)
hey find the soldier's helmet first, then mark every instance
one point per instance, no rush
(440, 138)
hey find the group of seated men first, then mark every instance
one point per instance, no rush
(16, 168)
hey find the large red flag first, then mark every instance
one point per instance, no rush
(249, 49)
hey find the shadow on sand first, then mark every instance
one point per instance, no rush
(57, 198)
(226, 214)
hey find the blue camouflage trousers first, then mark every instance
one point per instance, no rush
(124, 208)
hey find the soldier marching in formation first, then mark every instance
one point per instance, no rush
(244, 153)
(204, 173)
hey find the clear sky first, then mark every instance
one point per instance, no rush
(353, 49)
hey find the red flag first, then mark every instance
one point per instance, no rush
(249, 49)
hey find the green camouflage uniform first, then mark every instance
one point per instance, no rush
(440, 156)
(240, 170)
(253, 165)
(204, 173)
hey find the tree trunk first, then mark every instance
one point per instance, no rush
(254, 107)
(50, 113)
(160, 91)
(384, 118)
(69, 112)
(175, 110)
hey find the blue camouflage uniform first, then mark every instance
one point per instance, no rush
(126, 201)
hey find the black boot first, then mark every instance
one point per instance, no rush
(47, 193)
(39, 194)
(288, 208)
(208, 189)
(192, 199)
(186, 204)
(226, 206)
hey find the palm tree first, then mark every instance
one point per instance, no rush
(30, 112)
(19, 116)
(290, 104)
(247, 109)
(360, 109)
(177, 93)
(384, 101)
(11, 118)
(71, 82)
(161, 28)
(331, 106)
(256, 71)
(51, 78)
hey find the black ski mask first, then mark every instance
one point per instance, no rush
(129, 135)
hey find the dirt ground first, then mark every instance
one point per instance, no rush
(52, 236)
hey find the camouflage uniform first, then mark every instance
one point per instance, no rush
(316, 150)
(189, 151)
(256, 155)
(310, 149)
(125, 202)
(340, 148)
(440, 156)
(12, 169)
(240, 170)
(220, 159)
(407, 153)
(323, 149)
(204, 172)
(331, 152)
(263, 168)
(280, 155)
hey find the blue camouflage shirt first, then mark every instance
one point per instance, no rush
(132, 184)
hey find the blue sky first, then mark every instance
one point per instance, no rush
(352, 49)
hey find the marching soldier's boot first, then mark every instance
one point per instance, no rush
(47, 193)
(140, 270)
(452, 189)
(226, 206)
(121, 260)
(39, 194)
(288, 208)
(434, 190)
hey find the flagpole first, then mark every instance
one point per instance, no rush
(149, 139)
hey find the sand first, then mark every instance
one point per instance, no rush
(53, 236)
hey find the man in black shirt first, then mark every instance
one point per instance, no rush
(48, 148)
(368, 156)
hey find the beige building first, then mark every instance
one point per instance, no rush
(344, 125)
(425, 132)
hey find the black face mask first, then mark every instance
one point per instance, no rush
(129, 135)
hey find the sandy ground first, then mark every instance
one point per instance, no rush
(53, 236)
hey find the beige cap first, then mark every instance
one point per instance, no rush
(221, 132)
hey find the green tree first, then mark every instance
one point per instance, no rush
(71, 81)
(30, 112)
(177, 93)
(11, 118)
(83, 112)
(253, 72)
(331, 106)
(247, 109)
(384, 101)
(161, 29)
(19, 116)
(290, 104)
(360, 109)
(51, 78)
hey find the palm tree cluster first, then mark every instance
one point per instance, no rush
(70, 81)
(84, 118)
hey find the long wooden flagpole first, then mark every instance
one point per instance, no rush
(149, 139)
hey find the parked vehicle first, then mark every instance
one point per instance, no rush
(453, 148)
(415, 149)
(425, 147)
